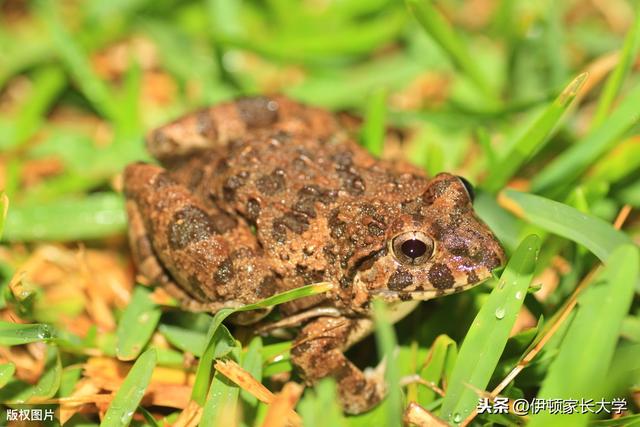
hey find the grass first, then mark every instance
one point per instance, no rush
(535, 103)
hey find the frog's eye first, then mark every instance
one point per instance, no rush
(413, 247)
(469, 187)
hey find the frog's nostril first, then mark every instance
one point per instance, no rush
(414, 248)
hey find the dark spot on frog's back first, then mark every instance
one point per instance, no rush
(189, 225)
(399, 280)
(253, 209)
(223, 222)
(293, 221)
(375, 230)
(257, 111)
(267, 287)
(232, 184)
(271, 184)
(336, 225)
(440, 276)
(309, 195)
(225, 272)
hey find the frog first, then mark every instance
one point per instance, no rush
(264, 194)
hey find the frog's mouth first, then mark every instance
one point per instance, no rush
(423, 295)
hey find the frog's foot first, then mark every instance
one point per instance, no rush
(203, 256)
(319, 352)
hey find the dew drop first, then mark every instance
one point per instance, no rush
(500, 313)
(457, 418)
(519, 295)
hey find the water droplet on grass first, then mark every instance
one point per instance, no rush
(500, 312)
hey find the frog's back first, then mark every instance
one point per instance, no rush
(299, 178)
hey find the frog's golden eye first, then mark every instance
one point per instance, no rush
(412, 247)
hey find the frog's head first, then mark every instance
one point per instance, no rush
(436, 246)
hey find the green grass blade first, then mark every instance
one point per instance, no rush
(433, 370)
(220, 407)
(47, 84)
(581, 367)
(77, 63)
(136, 325)
(90, 217)
(387, 345)
(373, 129)
(488, 335)
(534, 139)
(203, 374)
(319, 406)
(184, 339)
(252, 363)
(442, 32)
(595, 234)
(615, 80)
(18, 333)
(574, 161)
(130, 394)
(6, 373)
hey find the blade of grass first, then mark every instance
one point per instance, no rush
(220, 407)
(594, 332)
(387, 345)
(130, 393)
(252, 363)
(18, 334)
(534, 139)
(433, 370)
(77, 62)
(184, 339)
(137, 324)
(614, 82)
(6, 373)
(373, 129)
(203, 373)
(595, 234)
(90, 217)
(488, 335)
(319, 407)
(573, 162)
(442, 32)
(47, 84)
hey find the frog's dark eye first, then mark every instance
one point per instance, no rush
(413, 247)
(469, 187)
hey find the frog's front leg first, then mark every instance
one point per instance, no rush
(318, 352)
(205, 257)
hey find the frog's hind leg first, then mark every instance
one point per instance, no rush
(216, 126)
(205, 257)
(319, 352)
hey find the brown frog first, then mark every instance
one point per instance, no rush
(262, 195)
